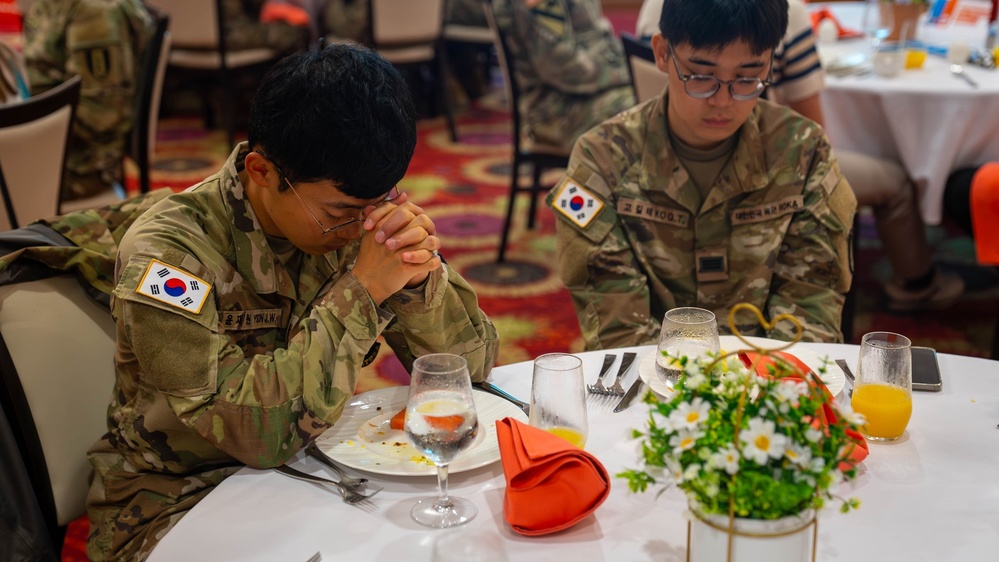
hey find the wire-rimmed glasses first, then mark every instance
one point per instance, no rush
(703, 86)
(393, 193)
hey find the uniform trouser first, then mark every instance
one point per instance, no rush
(884, 186)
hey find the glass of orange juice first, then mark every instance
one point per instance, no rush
(558, 397)
(883, 390)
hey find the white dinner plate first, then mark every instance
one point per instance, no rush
(362, 438)
(834, 378)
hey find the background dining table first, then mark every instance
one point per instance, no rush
(932, 122)
(932, 495)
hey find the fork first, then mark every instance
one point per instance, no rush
(349, 496)
(616, 389)
(599, 387)
(354, 483)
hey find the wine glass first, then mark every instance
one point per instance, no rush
(558, 397)
(877, 23)
(441, 422)
(687, 331)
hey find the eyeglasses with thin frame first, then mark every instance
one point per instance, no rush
(394, 193)
(702, 86)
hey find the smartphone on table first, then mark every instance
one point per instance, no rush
(925, 369)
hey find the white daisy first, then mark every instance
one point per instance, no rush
(798, 454)
(761, 442)
(692, 472)
(727, 459)
(790, 391)
(813, 435)
(690, 415)
(684, 439)
(846, 412)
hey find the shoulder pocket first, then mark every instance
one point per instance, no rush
(170, 288)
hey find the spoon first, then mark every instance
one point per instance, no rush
(958, 71)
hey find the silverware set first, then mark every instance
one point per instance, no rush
(614, 389)
(351, 488)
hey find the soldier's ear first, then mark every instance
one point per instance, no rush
(262, 171)
(660, 48)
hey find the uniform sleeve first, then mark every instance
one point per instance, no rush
(575, 55)
(597, 263)
(258, 408)
(814, 266)
(442, 316)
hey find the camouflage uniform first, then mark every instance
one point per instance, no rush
(262, 368)
(244, 30)
(348, 19)
(569, 66)
(773, 231)
(102, 41)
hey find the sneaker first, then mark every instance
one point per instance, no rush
(943, 292)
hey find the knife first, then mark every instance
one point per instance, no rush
(629, 396)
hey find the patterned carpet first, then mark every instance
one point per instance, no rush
(464, 187)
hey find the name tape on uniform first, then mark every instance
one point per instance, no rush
(645, 210)
(768, 211)
(173, 286)
(577, 204)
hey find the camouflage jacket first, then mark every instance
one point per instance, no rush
(569, 66)
(102, 41)
(252, 367)
(634, 242)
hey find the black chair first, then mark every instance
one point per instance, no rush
(411, 33)
(142, 141)
(540, 157)
(198, 45)
(646, 78)
(33, 159)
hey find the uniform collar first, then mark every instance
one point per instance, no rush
(255, 260)
(659, 160)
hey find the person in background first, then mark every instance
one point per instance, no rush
(880, 183)
(569, 65)
(706, 196)
(245, 30)
(102, 41)
(247, 304)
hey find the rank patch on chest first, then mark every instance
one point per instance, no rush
(173, 286)
(577, 204)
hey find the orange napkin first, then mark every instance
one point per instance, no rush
(550, 484)
(274, 11)
(985, 213)
(857, 453)
(842, 32)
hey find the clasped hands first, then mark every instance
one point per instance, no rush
(398, 248)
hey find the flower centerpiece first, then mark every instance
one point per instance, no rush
(759, 442)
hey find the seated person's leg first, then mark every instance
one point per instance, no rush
(883, 185)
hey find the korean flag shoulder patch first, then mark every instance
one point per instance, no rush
(174, 287)
(576, 203)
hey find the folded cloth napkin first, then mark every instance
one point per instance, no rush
(985, 213)
(842, 32)
(550, 484)
(828, 415)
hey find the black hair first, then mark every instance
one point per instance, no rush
(713, 24)
(341, 113)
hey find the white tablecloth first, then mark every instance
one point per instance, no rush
(933, 495)
(927, 119)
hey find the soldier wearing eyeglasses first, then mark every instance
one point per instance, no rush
(247, 305)
(706, 196)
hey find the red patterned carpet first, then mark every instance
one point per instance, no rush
(464, 186)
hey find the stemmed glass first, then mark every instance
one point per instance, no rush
(441, 422)
(877, 23)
